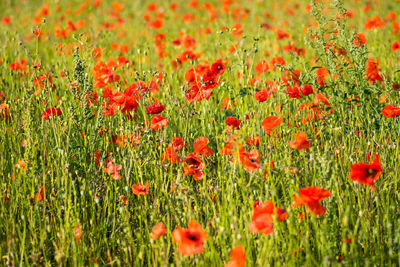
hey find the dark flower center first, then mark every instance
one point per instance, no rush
(371, 173)
(193, 236)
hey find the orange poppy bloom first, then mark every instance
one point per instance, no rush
(191, 240)
(391, 111)
(310, 197)
(178, 143)
(250, 160)
(366, 173)
(263, 217)
(158, 122)
(237, 29)
(201, 148)
(170, 155)
(158, 230)
(300, 141)
(373, 70)
(271, 122)
(262, 67)
(238, 257)
(360, 39)
(194, 166)
(140, 189)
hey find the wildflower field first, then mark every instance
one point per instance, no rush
(200, 133)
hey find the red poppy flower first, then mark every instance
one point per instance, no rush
(113, 170)
(238, 257)
(373, 71)
(293, 92)
(277, 61)
(306, 89)
(54, 112)
(253, 141)
(158, 122)
(140, 189)
(193, 94)
(360, 39)
(191, 76)
(271, 122)
(300, 141)
(311, 196)
(158, 230)
(103, 75)
(201, 148)
(237, 29)
(41, 195)
(395, 46)
(232, 121)
(194, 166)
(262, 67)
(263, 217)
(262, 95)
(210, 81)
(191, 240)
(78, 232)
(177, 143)
(391, 111)
(218, 67)
(155, 108)
(366, 173)
(170, 155)
(250, 160)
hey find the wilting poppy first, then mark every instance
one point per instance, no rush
(311, 196)
(191, 240)
(366, 173)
